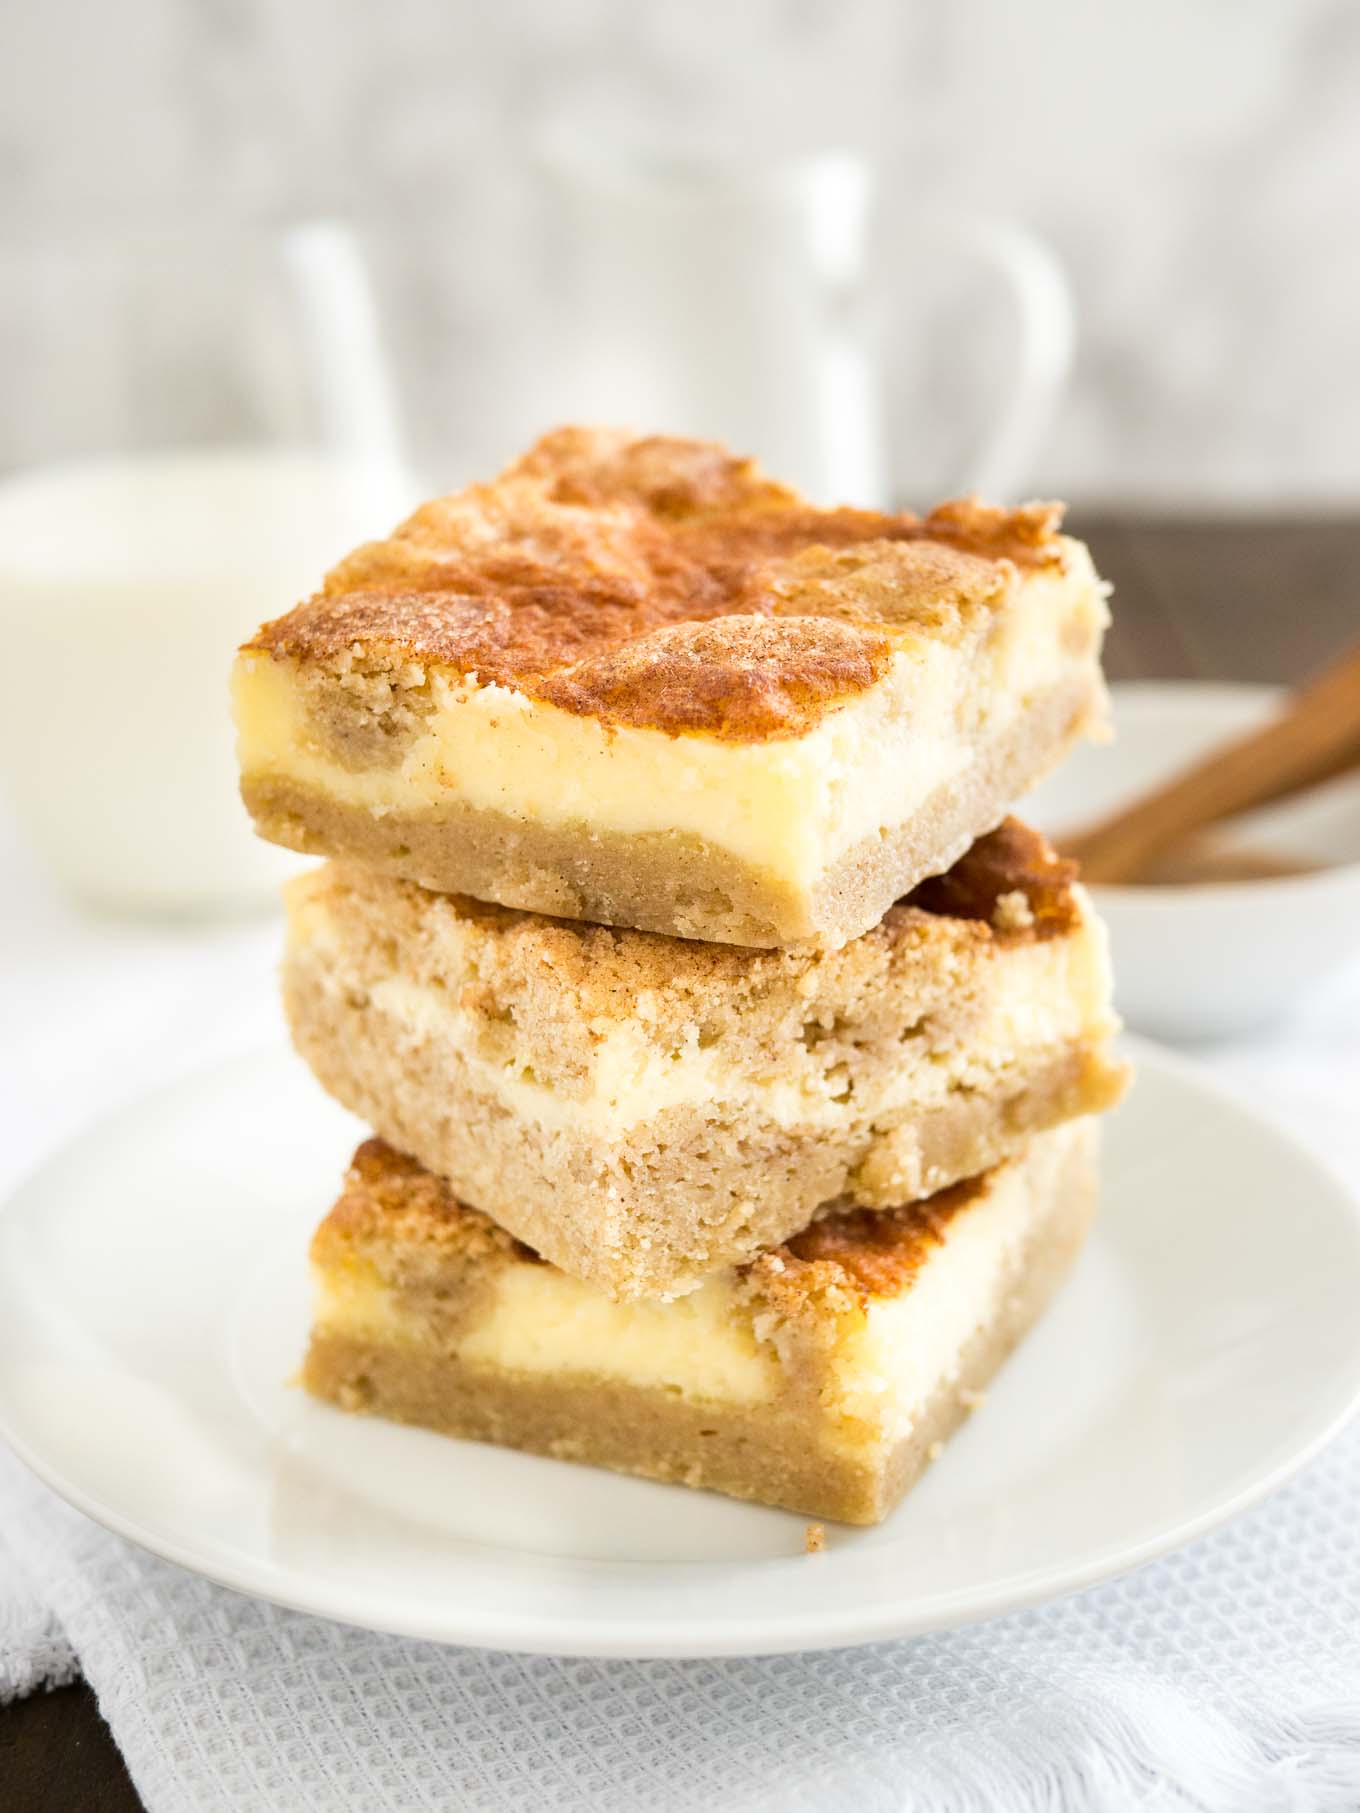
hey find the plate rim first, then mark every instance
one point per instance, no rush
(664, 1637)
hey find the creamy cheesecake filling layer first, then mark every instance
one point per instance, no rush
(789, 807)
(539, 1319)
(909, 1345)
(351, 1298)
(1040, 998)
(700, 1345)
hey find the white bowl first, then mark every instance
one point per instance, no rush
(1217, 959)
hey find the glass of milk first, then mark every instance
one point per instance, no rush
(210, 460)
(125, 587)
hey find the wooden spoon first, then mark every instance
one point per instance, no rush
(1315, 736)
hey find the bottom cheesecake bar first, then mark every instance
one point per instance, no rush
(821, 1376)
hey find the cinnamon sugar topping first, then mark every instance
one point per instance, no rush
(1012, 879)
(878, 1252)
(663, 583)
(391, 1197)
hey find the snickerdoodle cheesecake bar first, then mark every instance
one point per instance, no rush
(637, 681)
(642, 1110)
(823, 1376)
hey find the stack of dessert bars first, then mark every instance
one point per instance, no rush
(732, 1057)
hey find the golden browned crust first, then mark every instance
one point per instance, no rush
(873, 1252)
(388, 1199)
(878, 1252)
(1013, 860)
(662, 583)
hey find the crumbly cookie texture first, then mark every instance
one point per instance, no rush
(822, 1377)
(642, 1111)
(636, 681)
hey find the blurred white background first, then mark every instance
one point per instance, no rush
(1197, 167)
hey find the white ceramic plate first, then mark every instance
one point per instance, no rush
(153, 1303)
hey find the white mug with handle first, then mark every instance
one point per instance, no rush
(726, 298)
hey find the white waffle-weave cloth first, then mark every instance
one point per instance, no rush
(1224, 1679)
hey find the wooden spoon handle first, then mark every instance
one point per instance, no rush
(1315, 736)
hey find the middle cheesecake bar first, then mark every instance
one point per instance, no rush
(642, 1110)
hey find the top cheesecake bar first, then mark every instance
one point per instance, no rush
(638, 682)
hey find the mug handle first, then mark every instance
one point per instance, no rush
(1041, 301)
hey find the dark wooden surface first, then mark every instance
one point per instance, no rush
(56, 1756)
(1244, 599)
(1239, 600)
